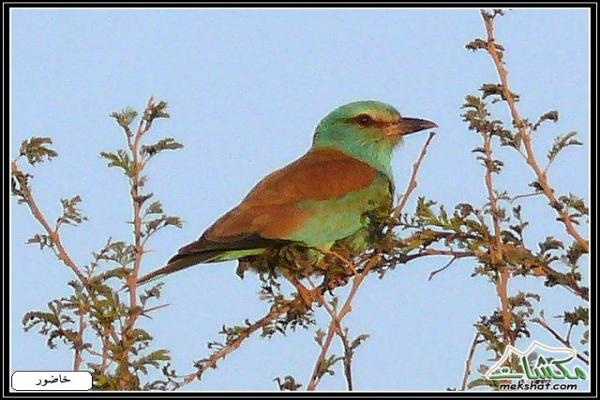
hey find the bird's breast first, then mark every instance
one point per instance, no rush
(334, 219)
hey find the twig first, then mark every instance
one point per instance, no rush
(78, 359)
(212, 361)
(568, 339)
(143, 127)
(346, 308)
(316, 375)
(469, 361)
(496, 250)
(137, 212)
(524, 135)
(521, 196)
(105, 351)
(342, 334)
(453, 253)
(348, 353)
(61, 252)
(412, 183)
(571, 285)
(557, 336)
(93, 352)
(145, 311)
(437, 271)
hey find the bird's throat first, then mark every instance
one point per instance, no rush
(376, 153)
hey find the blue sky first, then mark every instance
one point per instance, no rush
(245, 88)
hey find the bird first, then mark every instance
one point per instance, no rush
(315, 201)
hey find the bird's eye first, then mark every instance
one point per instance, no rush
(364, 120)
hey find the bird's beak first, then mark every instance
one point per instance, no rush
(407, 125)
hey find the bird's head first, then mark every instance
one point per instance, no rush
(369, 121)
(368, 130)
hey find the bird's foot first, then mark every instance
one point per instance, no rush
(349, 265)
(306, 295)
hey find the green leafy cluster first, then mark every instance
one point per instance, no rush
(71, 214)
(554, 260)
(118, 355)
(288, 384)
(36, 151)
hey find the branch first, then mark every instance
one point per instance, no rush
(412, 183)
(496, 250)
(105, 352)
(521, 196)
(78, 359)
(336, 322)
(557, 336)
(342, 334)
(524, 135)
(61, 252)
(437, 271)
(316, 375)
(134, 147)
(348, 353)
(213, 360)
(571, 285)
(469, 361)
(137, 200)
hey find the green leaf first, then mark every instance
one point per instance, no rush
(125, 118)
(19, 185)
(476, 113)
(163, 144)
(560, 143)
(153, 292)
(154, 225)
(549, 116)
(289, 383)
(153, 359)
(574, 202)
(476, 44)
(327, 364)
(43, 240)
(495, 89)
(158, 110)
(35, 150)
(550, 243)
(119, 252)
(154, 208)
(579, 314)
(71, 214)
(358, 340)
(491, 89)
(573, 254)
(319, 336)
(120, 273)
(120, 160)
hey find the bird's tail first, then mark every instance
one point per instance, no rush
(205, 251)
(176, 264)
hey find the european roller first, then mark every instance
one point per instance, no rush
(315, 201)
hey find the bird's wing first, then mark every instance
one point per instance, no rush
(270, 211)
